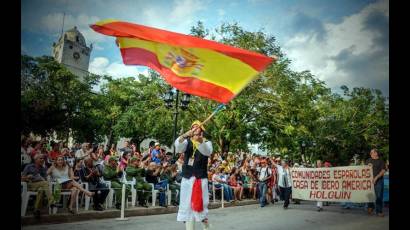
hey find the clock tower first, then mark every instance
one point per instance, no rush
(72, 51)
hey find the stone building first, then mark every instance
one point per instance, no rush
(72, 51)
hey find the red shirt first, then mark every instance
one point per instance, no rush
(53, 154)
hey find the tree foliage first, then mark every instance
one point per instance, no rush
(279, 110)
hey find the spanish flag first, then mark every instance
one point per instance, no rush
(193, 65)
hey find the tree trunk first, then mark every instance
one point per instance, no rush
(224, 145)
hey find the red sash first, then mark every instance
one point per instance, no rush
(196, 198)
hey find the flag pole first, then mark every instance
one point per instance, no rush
(219, 108)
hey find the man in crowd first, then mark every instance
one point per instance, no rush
(155, 154)
(284, 182)
(112, 172)
(35, 175)
(153, 174)
(378, 167)
(264, 173)
(127, 148)
(92, 174)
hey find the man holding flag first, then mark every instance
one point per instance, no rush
(195, 66)
(194, 197)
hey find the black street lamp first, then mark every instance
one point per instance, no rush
(184, 102)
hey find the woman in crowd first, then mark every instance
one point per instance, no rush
(235, 184)
(124, 160)
(113, 150)
(220, 179)
(64, 176)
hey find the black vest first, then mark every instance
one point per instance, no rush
(200, 167)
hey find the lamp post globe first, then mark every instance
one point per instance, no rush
(183, 103)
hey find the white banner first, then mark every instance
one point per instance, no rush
(340, 184)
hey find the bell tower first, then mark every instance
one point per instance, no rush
(72, 51)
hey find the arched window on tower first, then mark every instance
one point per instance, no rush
(77, 39)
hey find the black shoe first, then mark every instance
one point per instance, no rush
(272, 201)
(98, 208)
(285, 207)
(37, 214)
(144, 204)
(71, 211)
(319, 209)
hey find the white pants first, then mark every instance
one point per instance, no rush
(319, 204)
(185, 212)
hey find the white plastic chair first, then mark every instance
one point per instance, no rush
(156, 192)
(214, 191)
(132, 183)
(25, 196)
(108, 201)
(64, 192)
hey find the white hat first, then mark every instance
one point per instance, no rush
(156, 143)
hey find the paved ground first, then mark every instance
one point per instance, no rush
(302, 216)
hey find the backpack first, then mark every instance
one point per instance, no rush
(267, 173)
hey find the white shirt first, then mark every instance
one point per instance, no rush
(205, 148)
(80, 153)
(263, 174)
(221, 177)
(60, 175)
(281, 174)
(251, 163)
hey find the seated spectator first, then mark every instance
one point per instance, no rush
(77, 170)
(55, 152)
(25, 157)
(220, 180)
(236, 184)
(35, 175)
(152, 176)
(170, 174)
(113, 150)
(98, 155)
(249, 183)
(124, 160)
(231, 161)
(70, 158)
(136, 170)
(92, 174)
(180, 162)
(37, 149)
(225, 166)
(215, 162)
(84, 152)
(126, 148)
(155, 154)
(64, 176)
(112, 172)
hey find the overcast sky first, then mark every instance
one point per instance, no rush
(343, 42)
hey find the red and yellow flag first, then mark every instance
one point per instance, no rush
(193, 65)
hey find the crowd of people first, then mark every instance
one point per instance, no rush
(241, 175)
